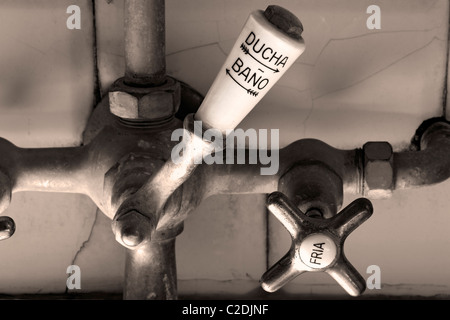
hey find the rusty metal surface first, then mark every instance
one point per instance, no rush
(429, 165)
(158, 104)
(145, 38)
(378, 169)
(300, 227)
(151, 272)
(314, 188)
(145, 93)
(284, 20)
(151, 198)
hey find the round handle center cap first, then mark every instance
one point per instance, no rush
(318, 251)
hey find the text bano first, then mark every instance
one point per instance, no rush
(269, 60)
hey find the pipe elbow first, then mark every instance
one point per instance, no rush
(430, 164)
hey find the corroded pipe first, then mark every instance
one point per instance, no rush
(83, 169)
(145, 38)
(428, 166)
(151, 272)
(51, 170)
(246, 178)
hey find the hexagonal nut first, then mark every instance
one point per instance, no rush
(378, 170)
(152, 103)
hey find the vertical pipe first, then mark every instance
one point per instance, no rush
(145, 41)
(150, 272)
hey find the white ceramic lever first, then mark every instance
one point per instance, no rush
(268, 45)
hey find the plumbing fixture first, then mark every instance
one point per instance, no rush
(317, 244)
(125, 164)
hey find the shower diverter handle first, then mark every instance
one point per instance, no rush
(268, 45)
(317, 244)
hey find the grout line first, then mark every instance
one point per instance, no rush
(97, 86)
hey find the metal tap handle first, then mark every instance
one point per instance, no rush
(317, 244)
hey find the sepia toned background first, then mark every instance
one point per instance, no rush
(352, 85)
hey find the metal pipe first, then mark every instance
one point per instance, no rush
(51, 170)
(67, 169)
(150, 272)
(428, 166)
(246, 178)
(45, 169)
(145, 39)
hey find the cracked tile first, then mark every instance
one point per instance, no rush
(46, 84)
(46, 77)
(361, 59)
(50, 229)
(87, 237)
(101, 259)
(185, 65)
(389, 105)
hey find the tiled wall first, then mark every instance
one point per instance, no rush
(351, 85)
(46, 96)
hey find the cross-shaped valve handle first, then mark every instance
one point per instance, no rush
(317, 244)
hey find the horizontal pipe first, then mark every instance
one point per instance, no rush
(66, 170)
(82, 169)
(246, 178)
(51, 170)
(428, 166)
(45, 169)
